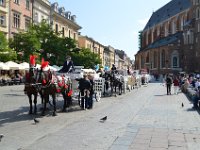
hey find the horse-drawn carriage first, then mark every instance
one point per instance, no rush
(52, 84)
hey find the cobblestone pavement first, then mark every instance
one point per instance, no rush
(143, 119)
(162, 124)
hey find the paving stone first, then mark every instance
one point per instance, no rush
(159, 144)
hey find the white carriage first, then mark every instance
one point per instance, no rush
(78, 73)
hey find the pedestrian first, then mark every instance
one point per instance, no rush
(113, 69)
(168, 84)
(84, 87)
(90, 100)
(176, 85)
(68, 66)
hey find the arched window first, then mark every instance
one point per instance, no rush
(163, 59)
(155, 60)
(147, 58)
(175, 59)
(56, 28)
(182, 22)
(197, 13)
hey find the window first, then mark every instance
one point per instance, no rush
(74, 36)
(197, 13)
(69, 33)
(2, 2)
(198, 27)
(28, 4)
(27, 23)
(173, 27)
(16, 1)
(175, 62)
(56, 28)
(16, 20)
(63, 31)
(155, 60)
(166, 30)
(2, 20)
(175, 59)
(36, 18)
(42, 18)
(163, 59)
(182, 22)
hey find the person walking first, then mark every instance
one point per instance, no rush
(168, 84)
(176, 85)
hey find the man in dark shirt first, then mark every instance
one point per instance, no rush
(68, 66)
(168, 84)
(84, 86)
(113, 67)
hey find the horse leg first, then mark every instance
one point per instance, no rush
(30, 102)
(54, 103)
(69, 100)
(46, 97)
(35, 103)
(65, 102)
(42, 97)
(120, 89)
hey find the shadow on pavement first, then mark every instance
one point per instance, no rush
(15, 116)
(161, 95)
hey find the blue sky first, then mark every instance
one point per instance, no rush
(113, 22)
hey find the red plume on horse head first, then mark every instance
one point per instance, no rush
(44, 63)
(32, 60)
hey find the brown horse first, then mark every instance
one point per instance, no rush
(52, 87)
(31, 88)
(47, 88)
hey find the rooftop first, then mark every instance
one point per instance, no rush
(170, 9)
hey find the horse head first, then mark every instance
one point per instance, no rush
(31, 75)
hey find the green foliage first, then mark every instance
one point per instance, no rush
(86, 58)
(6, 53)
(43, 41)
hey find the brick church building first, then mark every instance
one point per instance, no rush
(170, 41)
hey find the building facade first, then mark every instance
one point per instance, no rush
(64, 22)
(20, 16)
(41, 11)
(4, 9)
(168, 39)
(94, 46)
(109, 56)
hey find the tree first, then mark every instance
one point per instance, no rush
(86, 58)
(6, 53)
(25, 44)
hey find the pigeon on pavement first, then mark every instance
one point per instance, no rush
(36, 121)
(103, 119)
(1, 136)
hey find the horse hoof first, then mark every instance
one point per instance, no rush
(43, 114)
(30, 113)
(54, 114)
(64, 110)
